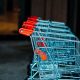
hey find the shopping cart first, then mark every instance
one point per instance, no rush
(56, 50)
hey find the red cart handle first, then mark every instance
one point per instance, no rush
(26, 32)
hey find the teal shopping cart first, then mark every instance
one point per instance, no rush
(56, 50)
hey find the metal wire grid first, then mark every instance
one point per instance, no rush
(62, 49)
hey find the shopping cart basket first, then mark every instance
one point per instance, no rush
(56, 50)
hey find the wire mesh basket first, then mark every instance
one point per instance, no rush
(62, 49)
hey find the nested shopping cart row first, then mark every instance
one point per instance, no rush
(61, 48)
(61, 54)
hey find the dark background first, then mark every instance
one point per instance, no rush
(59, 10)
(15, 50)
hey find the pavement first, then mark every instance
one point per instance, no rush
(15, 56)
